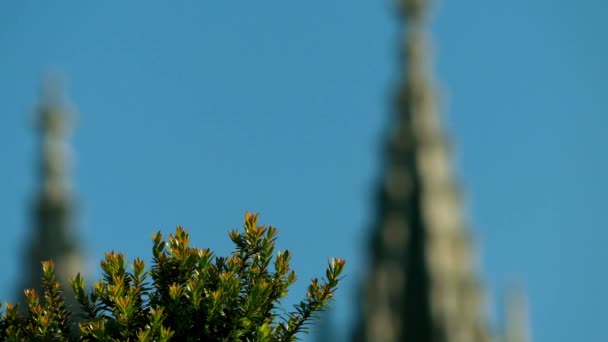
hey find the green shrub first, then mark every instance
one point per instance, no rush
(189, 294)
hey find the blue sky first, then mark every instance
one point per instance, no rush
(192, 113)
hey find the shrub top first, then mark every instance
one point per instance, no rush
(188, 294)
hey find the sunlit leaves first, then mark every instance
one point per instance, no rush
(46, 319)
(188, 294)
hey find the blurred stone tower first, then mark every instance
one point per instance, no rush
(516, 317)
(421, 284)
(52, 234)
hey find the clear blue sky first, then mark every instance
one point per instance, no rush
(194, 112)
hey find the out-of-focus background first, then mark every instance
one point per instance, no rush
(192, 113)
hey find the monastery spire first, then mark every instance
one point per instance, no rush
(421, 285)
(52, 234)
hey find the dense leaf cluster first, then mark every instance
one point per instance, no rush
(189, 294)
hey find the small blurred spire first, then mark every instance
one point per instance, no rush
(52, 235)
(516, 316)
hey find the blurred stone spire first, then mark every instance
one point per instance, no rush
(516, 317)
(52, 234)
(421, 284)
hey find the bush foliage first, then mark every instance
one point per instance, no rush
(188, 294)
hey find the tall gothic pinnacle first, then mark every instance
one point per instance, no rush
(421, 285)
(52, 234)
